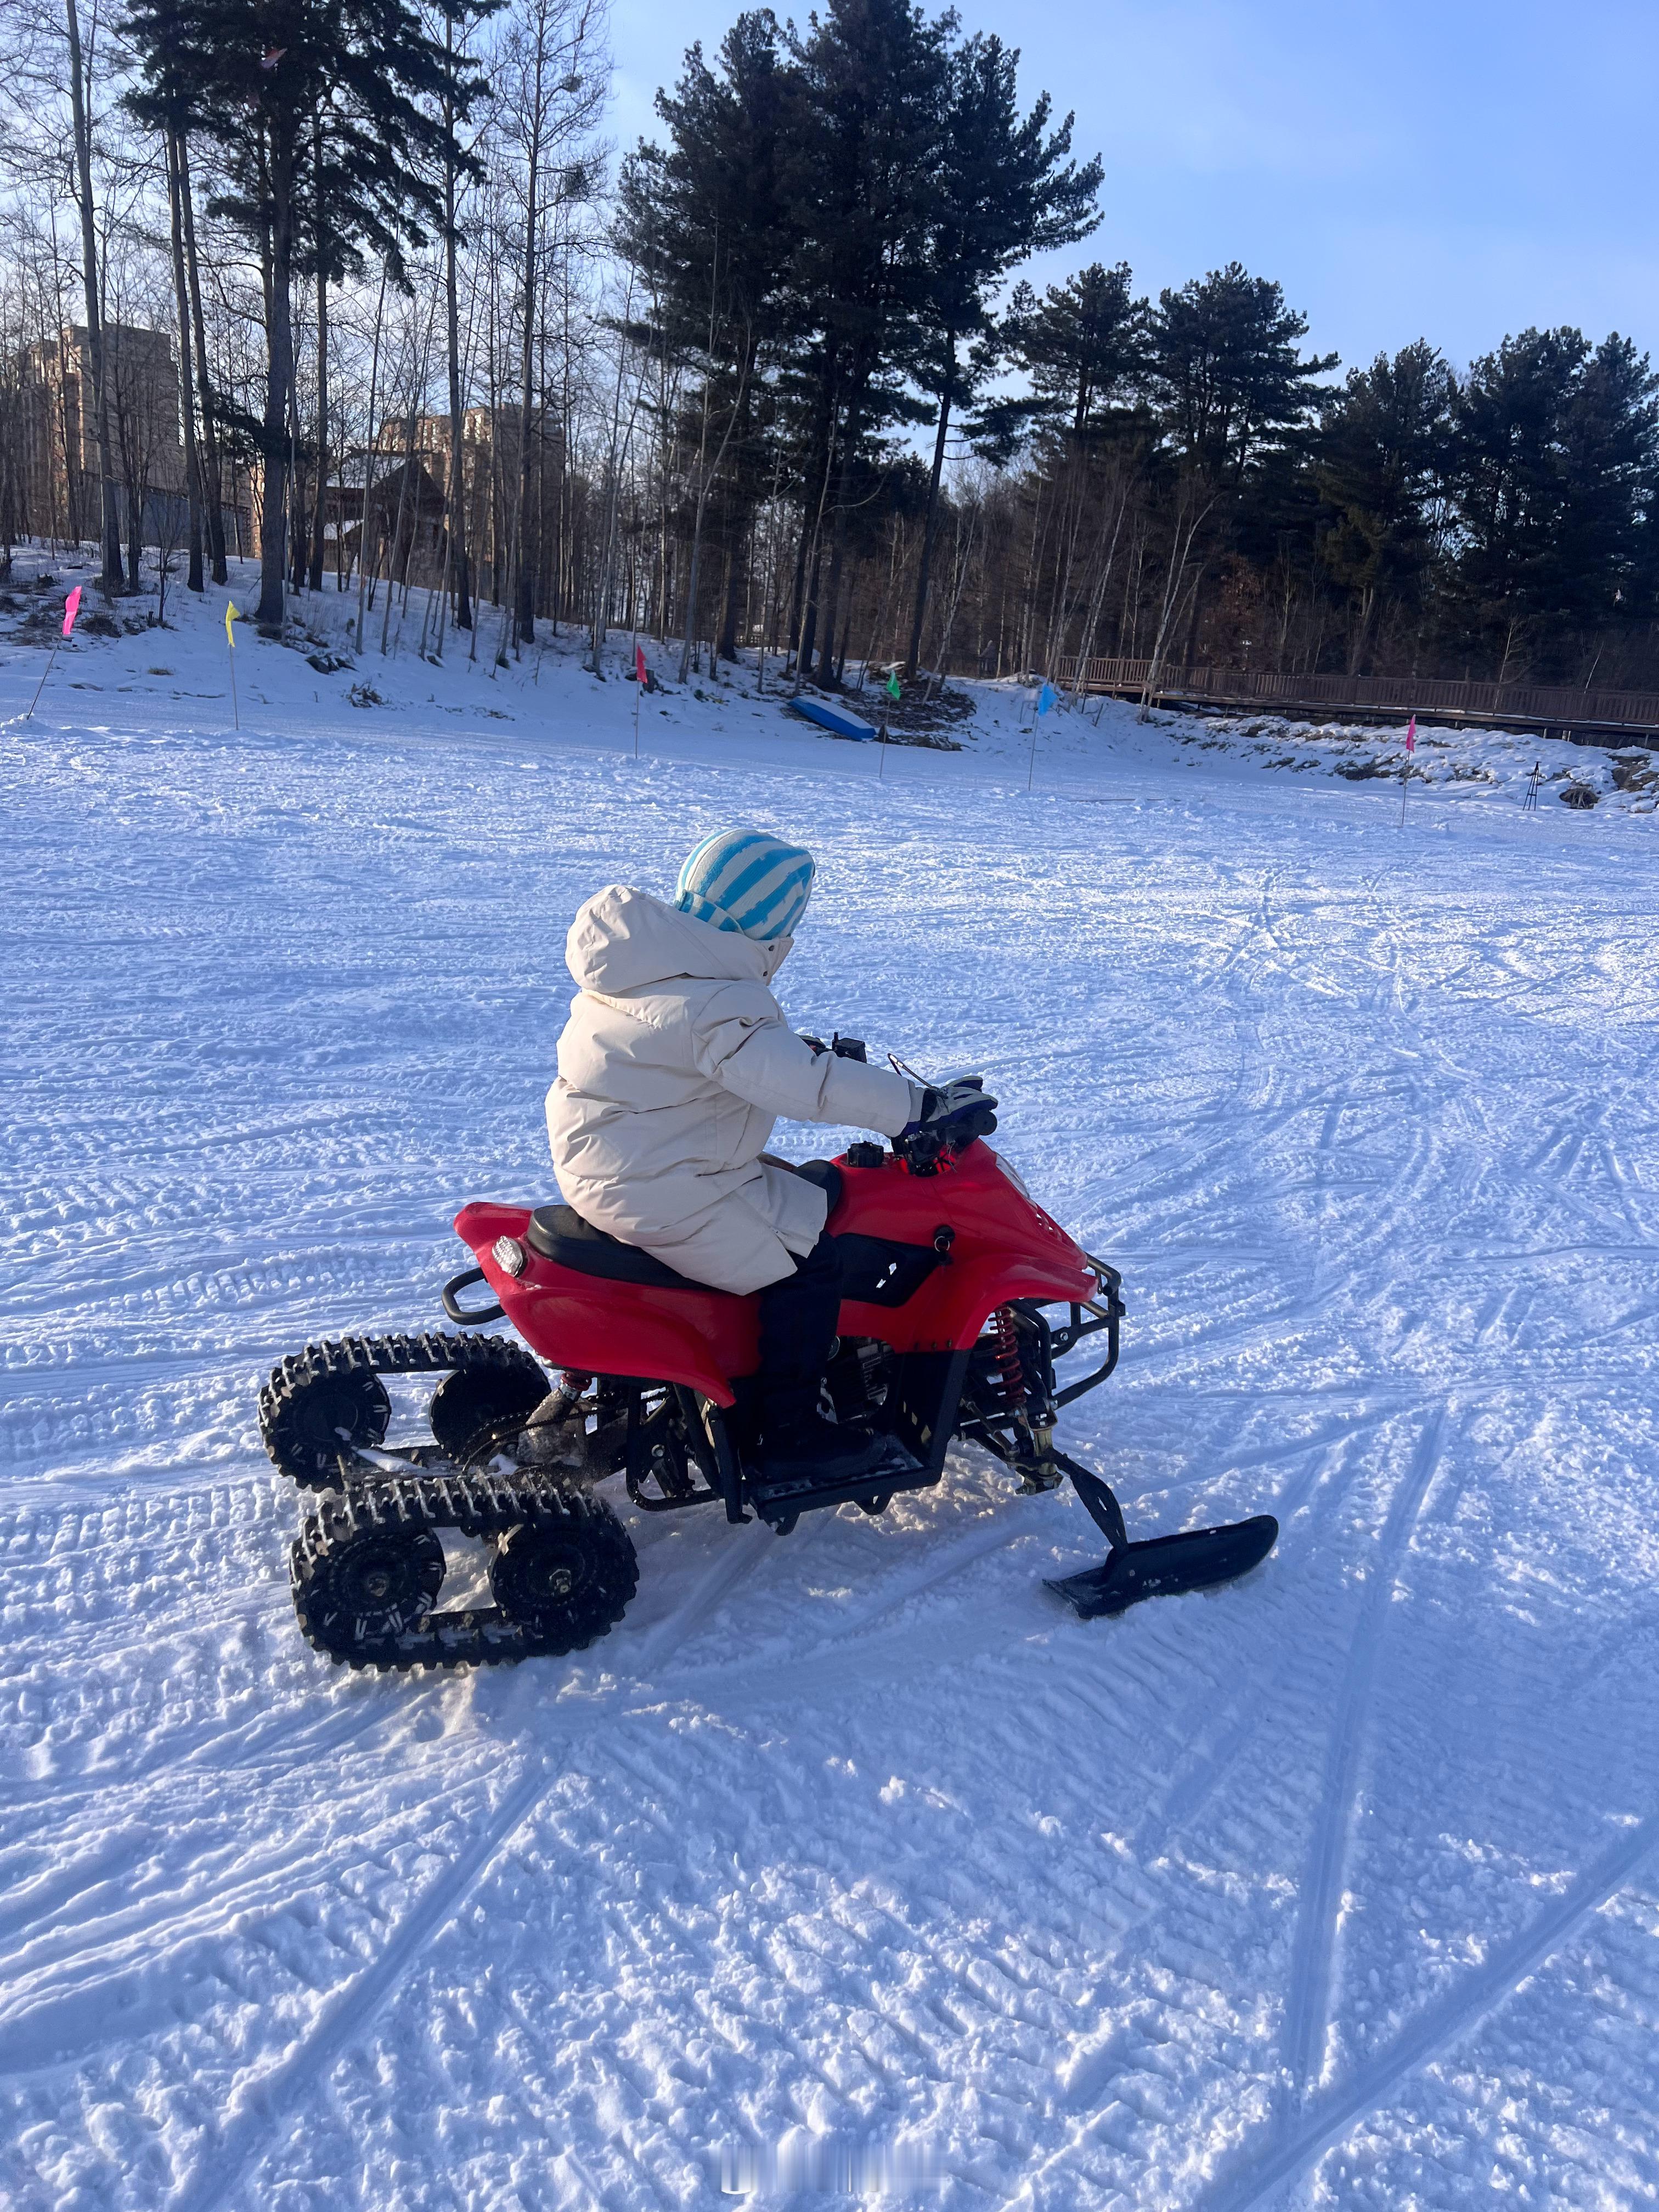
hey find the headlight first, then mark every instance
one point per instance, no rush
(1013, 1175)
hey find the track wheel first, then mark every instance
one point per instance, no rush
(308, 1417)
(471, 1405)
(364, 1586)
(567, 1576)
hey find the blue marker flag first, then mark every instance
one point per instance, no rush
(1046, 697)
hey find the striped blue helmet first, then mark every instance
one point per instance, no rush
(743, 880)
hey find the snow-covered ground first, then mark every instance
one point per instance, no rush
(849, 1863)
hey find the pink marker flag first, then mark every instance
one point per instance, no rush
(642, 673)
(1410, 735)
(72, 608)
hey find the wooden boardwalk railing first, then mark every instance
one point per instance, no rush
(1561, 707)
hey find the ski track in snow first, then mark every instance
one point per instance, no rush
(1338, 1887)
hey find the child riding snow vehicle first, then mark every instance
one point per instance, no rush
(699, 1317)
(674, 1065)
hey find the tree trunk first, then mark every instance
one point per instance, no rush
(187, 377)
(298, 475)
(803, 605)
(457, 554)
(925, 565)
(707, 475)
(1188, 520)
(738, 565)
(397, 530)
(135, 528)
(111, 578)
(368, 465)
(279, 381)
(212, 483)
(1191, 646)
(807, 629)
(319, 510)
(838, 540)
(526, 578)
(319, 506)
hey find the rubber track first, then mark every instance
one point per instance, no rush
(480, 1505)
(435, 1352)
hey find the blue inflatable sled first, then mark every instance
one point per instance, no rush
(835, 720)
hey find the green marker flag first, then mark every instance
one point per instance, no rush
(893, 689)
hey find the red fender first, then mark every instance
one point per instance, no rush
(1002, 1245)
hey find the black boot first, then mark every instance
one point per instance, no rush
(822, 1451)
(798, 1320)
(796, 1440)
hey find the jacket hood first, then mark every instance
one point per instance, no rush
(626, 940)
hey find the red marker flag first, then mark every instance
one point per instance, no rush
(72, 608)
(271, 56)
(1410, 735)
(640, 673)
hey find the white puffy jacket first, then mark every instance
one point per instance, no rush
(674, 1065)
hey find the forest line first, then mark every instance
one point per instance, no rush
(362, 289)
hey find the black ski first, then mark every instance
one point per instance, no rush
(1164, 1566)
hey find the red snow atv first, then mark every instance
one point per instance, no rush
(951, 1270)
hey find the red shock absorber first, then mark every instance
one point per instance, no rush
(1008, 1360)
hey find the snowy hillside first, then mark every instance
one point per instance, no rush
(849, 1864)
(182, 676)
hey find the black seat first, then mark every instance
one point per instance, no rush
(558, 1232)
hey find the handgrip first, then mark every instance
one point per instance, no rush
(458, 1283)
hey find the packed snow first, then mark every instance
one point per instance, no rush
(850, 1866)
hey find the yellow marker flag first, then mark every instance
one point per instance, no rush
(230, 617)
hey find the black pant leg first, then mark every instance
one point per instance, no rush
(798, 1319)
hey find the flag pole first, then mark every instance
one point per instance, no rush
(230, 647)
(892, 689)
(72, 608)
(41, 685)
(1046, 697)
(1405, 772)
(640, 674)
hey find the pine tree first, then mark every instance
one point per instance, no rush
(1226, 368)
(865, 175)
(80, 108)
(459, 89)
(706, 224)
(1004, 191)
(1083, 344)
(1557, 446)
(253, 78)
(1381, 462)
(1234, 392)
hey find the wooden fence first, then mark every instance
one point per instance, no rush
(1561, 708)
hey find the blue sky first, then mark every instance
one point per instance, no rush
(1404, 169)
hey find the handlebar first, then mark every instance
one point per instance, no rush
(923, 1148)
(843, 1048)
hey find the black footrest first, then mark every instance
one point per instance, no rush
(895, 1470)
(1165, 1566)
